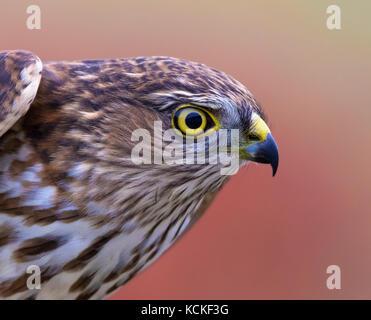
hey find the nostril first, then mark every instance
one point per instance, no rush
(253, 137)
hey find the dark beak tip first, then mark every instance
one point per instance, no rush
(274, 168)
(274, 155)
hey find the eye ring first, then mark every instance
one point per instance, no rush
(190, 120)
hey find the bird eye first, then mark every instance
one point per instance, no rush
(193, 121)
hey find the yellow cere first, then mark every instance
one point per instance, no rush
(259, 128)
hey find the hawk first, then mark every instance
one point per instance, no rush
(72, 201)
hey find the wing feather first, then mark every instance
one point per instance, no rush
(20, 74)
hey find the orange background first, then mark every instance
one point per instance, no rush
(262, 237)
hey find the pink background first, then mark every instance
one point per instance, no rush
(262, 237)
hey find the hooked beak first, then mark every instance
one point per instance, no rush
(263, 148)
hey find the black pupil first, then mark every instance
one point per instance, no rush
(193, 120)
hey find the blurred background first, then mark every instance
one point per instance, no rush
(263, 237)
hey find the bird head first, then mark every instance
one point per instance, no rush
(84, 117)
(198, 103)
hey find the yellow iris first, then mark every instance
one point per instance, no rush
(193, 121)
